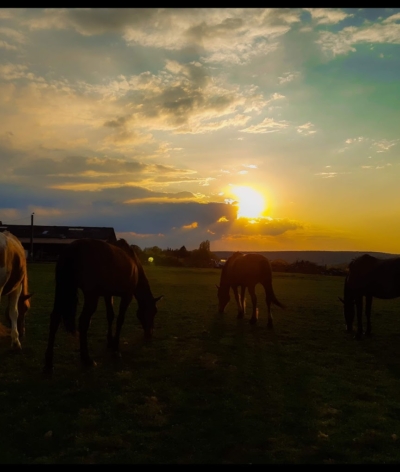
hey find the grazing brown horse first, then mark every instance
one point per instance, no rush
(14, 283)
(368, 277)
(98, 269)
(246, 270)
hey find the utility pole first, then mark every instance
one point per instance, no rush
(31, 252)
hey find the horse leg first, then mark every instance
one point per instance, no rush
(239, 305)
(110, 318)
(242, 298)
(368, 306)
(123, 306)
(359, 311)
(13, 313)
(55, 319)
(268, 301)
(89, 307)
(254, 316)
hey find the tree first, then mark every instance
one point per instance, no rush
(205, 246)
(183, 252)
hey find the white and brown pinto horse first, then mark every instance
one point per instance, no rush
(14, 284)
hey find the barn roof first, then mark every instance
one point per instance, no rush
(58, 234)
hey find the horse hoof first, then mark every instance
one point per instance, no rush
(253, 321)
(117, 354)
(270, 326)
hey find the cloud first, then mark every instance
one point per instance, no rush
(392, 18)
(268, 125)
(191, 226)
(7, 46)
(343, 42)
(55, 114)
(13, 71)
(327, 175)
(182, 98)
(232, 35)
(384, 145)
(254, 226)
(355, 140)
(325, 16)
(12, 34)
(78, 173)
(305, 129)
(288, 77)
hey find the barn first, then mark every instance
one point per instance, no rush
(47, 242)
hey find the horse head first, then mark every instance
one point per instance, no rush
(146, 313)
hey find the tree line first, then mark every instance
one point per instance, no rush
(204, 257)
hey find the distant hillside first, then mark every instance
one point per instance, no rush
(318, 257)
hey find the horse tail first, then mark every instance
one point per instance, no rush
(266, 268)
(66, 292)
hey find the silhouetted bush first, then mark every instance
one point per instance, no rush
(279, 265)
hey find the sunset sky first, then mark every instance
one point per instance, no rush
(255, 129)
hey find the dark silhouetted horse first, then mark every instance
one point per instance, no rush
(14, 283)
(246, 270)
(98, 269)
(368, 277)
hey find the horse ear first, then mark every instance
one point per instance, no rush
(217, 286)
(159, 298)
(341, 299)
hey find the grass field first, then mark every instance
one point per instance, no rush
(208, 388)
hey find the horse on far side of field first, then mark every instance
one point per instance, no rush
(246, 271)
(368, 277)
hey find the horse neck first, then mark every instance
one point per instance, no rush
(224, 283)
(348, 293)
(143, 290)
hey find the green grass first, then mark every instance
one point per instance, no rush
(208, 388)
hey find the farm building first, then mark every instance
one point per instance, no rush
(48, 241)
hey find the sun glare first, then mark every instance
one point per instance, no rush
(251, 203)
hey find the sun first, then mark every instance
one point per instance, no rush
(251, 203)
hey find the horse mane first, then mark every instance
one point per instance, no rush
(143, 282)
(126, 247)
(15, 240)
(365, 258)
(226, 267)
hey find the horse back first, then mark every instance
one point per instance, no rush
(12, 262)
(103, 267)
(250, 269)
(377, 277)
